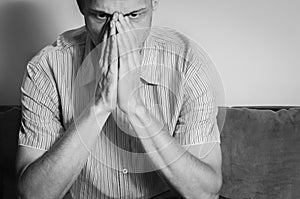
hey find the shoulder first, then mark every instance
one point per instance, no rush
(53, 57)
(187, 52)
(170, 38)
(69, 39)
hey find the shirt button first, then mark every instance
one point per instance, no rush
(125, 171)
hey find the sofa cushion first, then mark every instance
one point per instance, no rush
(9, 125)
(261, 153)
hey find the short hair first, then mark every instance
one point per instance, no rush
(80, 4)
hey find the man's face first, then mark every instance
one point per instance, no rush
(98, 12)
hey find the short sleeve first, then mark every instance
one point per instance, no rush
(40, 122)
(197, 122)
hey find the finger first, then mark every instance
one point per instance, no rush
(113, 41)
(131, 36)
(128, 49)
(113, 61)
(112, 28)
(120, 28)
(113, 58)
(104, 57)
(105, 38)
(128, 43)
(124, 35)
(123, 58)
(122, 53)
(123, 25)
(131, 33)
(126, 24)
(122, 21)
(123, 45)
(129, 24)
(103, 33)
(112, 75)
(99, 53)
(115, 17)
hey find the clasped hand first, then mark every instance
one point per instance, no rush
(118, 84)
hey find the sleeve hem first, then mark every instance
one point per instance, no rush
(212, 141)
(32, 147)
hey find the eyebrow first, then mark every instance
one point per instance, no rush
(139, 10)
(102, 12)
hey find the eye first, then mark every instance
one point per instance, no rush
(134, 15)
(101, 16)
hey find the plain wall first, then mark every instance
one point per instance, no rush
(254, 44)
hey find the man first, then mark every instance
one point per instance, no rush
(117, 87)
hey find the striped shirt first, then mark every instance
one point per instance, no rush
(176, 87)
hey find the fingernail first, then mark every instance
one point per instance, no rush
(115, 16)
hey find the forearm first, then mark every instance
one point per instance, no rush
(190, 176)
(52, 174)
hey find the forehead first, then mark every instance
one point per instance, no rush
(122, 6)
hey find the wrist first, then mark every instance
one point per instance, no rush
(139, 115)
(136, 107)
(99, 110)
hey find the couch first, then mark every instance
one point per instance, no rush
(260, 148)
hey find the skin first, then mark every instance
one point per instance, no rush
(201, 177)
(138, 11)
